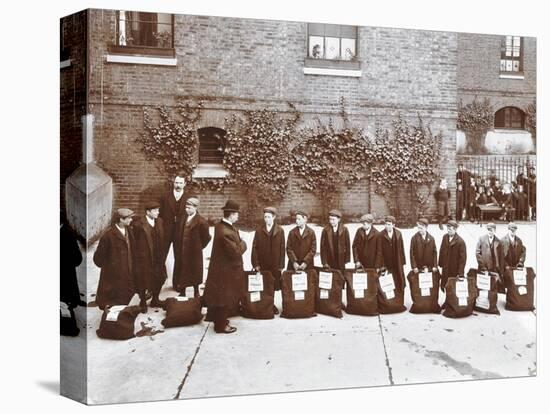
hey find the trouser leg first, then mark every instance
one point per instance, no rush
(219, 315)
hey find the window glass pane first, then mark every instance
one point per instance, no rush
(508, 45)
(316, 47)
(348, 49)
(316, 29)
(332, 48)
(348, 31)
(332, 30)
(508, 65)
(163, 32)
(502, 65)
(515, 66)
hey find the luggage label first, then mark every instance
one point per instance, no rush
(325, 280)
(114, 311)
(255, 282)
(299, 281)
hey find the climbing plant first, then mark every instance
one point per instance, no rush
(475, 119)
(531, 118)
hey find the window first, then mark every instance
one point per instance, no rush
(332, 42)
(510, 117)
(211, 145)
(145, 29)
(511, 55)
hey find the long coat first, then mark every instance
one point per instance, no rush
(194, 238)
(364, 247)
(268, 251)
(149, 264)
(390, 253)
(513, 253)
(442, 196)
(114, 256)
(70, 258)
(329, 250)
(452, 258)
(225, 280)
(172, 212)
(423, 253)
(483, 254)
(301, 249)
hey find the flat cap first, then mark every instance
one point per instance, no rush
(302, 212)
(512, 226)
(452, 223)
(271, 210)
(423, 221)
(193, 201)
(231, 205)
(389, 218)
(151, 204)
(491, 226)
(369, 218)
(124, 212)
(335, 213)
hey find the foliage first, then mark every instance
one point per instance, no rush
(475, 116)
(531, 118)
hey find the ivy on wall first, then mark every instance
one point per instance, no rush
(531, 118)
(475, 119)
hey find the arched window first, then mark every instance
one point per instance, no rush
(211, 145)
(510, 117)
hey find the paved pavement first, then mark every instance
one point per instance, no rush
(323, 352)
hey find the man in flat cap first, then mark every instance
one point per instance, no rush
(225, 281)
(364, 243)
(423, 252)
(194, 237)
(149, 265)
(513, 248)
(390, 251)
(452, 254)
(335, 243)
(489, 251)
(268, 247)
(301, 244)
(114, 256)
(442, 196)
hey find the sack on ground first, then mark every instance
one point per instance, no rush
(520, 289)
(361, 292)
(390, 298)
(182, 311)
(259, 299)
(298, 292)
(424, 291)
(460, 297)
(117, 322)
(487, 284)
(328, 295)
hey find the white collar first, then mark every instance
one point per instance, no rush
(177, 194)
(227, 221)
(269, 227)
(301, 230)
(189, 218)
(121, 229)
(151, 221)
(335, 228)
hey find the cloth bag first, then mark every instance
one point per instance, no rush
(298, 292)
(520, 289)
(460, 297)
(361, 292)
(259, 300)
(487, 284)
(117, 322)
(328, 292)
(182, 311)
(67, 320)
(424, 291)
(390, 299)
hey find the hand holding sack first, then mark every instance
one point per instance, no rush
(182, 311)
(328, 292)
(520, 289)
(487, 284)
(117, 322)
(298, 292)
(460, 297)
(259, 300)
(390, 298)
(362, 292)
(424, 291)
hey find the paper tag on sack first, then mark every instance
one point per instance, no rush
(299, 281)
(462, 301)
(358, 293)
(390, 294)
(425, 292)
(323, 293)
(255, 282)
(135, 300)
(482, 302)
(484, 294)
(483, 281)
(325, 280)
(299, 295)
(386, 282)
(425, 280)
(359, 281)
(113, 313)
(520, 277)
(255, 296)
(65, 311)
(190, 292)
(522, 290)
(462, 288)
(182, 298)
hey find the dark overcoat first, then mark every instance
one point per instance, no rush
(364, 247)
(483, 254)
(513, 253)
(268, 251)
(390, 251)
(423, 253)
(114, 256)
(149, 264)
(329, 250)
(172, 212)
(194, 238)
(225, 280)
(301, 248)
(452, 258)
(70, 258)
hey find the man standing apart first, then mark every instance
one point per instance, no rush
(225, 281)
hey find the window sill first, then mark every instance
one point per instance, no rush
(142, 60)
(511, 75)
(64, 63)
(353, 73)
(210, 171)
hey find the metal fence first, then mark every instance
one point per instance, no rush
(505, 168)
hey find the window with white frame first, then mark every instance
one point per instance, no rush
(148, 30)
(511, 55)
(332, 42)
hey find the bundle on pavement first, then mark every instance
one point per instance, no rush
(67, 320)
(362, 292)
(424, 287)
(520, 289)
(487, 284)
(298, 292)
(390, 298)
(259, 300)
(328, 295)
(117, 322)
(182, 311)
(460, 297)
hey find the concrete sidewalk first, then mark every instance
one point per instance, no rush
(323, 352)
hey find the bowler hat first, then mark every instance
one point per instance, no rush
(230, 205)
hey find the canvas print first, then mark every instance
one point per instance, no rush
(256, 206)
